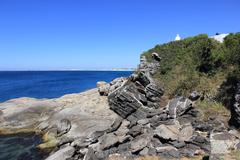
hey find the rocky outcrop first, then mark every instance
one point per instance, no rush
(235, 119)
(138, 92)
(158, 135)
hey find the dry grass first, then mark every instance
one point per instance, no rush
(212, 109)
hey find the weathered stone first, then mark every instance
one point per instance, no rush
(116, 124)
(143, 121)
(139, 143)
(155, 142)
(107, 141)
(186, 132)
(116, 83)
(168, 152)
(117, 157)
(103, 88)
(135, 130)
(93, 137)
(144, 152)
(90, 155)
(152, 151)
(143, 79)
(63, 126)
(65, 140)
(168, 132)
(194, 96)
(178, 106)
(123, 129)
(174, 132)
(62, 154)
(123, 100)
(222, 143)
(165, 148)
(80, 142)
(153, 92)
(123, 148)
(202, 142)
(178, 144)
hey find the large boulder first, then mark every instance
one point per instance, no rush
(125, 100)
(178, 106)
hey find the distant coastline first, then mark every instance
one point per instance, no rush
(88, 70)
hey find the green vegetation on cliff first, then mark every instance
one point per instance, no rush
(197, 63)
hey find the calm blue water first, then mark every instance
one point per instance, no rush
(51, 84)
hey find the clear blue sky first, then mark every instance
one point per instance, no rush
(102, 34)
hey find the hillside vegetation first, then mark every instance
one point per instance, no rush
(199, 63)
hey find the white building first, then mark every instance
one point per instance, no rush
(220, 37)
(177, 38)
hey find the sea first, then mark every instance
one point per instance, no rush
(42, 84)
(51, 84)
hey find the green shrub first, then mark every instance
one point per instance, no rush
(187, 63)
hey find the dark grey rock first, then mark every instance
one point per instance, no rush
(153, 92)
(194, 96)
(202, 142)
(143, 79)
(156, 56)
(123, 100)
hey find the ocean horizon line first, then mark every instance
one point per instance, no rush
(67, 70)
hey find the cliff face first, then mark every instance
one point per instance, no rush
(139, 93)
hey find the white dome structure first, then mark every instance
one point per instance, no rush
(177, 38)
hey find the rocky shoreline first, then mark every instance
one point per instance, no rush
(125, 119)
(60, 120)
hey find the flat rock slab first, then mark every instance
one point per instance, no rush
(174, 132)
(223, 142)
(75, 115)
